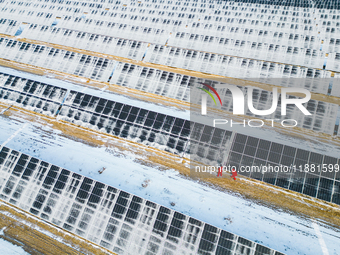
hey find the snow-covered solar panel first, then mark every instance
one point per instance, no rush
(245, 39)
(233, 66)
(126, 121)
(60, 60)
(168, 84)
(267, 32)
(105, 69)
(8, 26)
(208, 145)
(164, 83)
(29, 94)
(130, 29)
(267, 44)
(120, 47)
(134, 76)
(269, 50)
(219, 64)
(294, 3)
(114, 219)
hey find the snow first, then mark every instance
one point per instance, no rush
(2, 231)
(8, 248)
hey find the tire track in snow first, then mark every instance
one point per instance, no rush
(321, 240)
(14, 134)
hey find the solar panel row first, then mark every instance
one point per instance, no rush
(242, 42)
(213, 11)
(184, 58)
(122, 120)
(333, 4)
(112, 218)
(224, 65)
(32, 95)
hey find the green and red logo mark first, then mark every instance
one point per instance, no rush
(209, 93)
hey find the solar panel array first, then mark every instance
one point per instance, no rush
(333, 4)
(125, 74)
(174, 85)
(309, 177)
(247, 39)
(117, 220)
(126, 121)
(207, 62)
(190, 58)
(199, 142)
(270, 32)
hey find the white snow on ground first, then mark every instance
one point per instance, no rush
(7, 248)
(273, 228)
